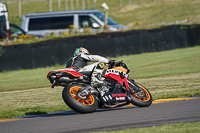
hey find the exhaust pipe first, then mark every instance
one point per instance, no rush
(88, 91)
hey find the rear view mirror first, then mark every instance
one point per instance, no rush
(95, 25)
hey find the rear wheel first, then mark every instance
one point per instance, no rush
(140, 96)
(81, 104)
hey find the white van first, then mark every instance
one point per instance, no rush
(48, 22)
(4, 23)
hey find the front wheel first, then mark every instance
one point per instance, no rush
(73, 99)
(140, 96)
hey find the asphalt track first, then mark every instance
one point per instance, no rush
(161, 112)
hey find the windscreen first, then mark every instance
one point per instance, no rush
(101, 17)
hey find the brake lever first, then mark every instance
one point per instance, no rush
(119, 62)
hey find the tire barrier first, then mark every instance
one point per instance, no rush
(58, 51)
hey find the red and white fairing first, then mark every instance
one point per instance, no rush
(114, 73)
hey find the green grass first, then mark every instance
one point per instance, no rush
(147, 65)
(146, 13)
(31, 111)
(167, 74)
(164, 63)
(171, 128)
(24, 79)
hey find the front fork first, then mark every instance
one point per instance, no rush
(134, 89)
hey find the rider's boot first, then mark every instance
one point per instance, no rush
(97, 80)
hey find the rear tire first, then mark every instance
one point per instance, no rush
(142, 98)
(70, 97)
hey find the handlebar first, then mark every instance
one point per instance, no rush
(115, 63)
(119, 62)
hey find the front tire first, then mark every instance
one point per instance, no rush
(141, 98)
(70, 96)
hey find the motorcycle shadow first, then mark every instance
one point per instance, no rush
(71, 112)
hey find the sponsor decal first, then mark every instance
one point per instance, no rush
(120, 98)
(117, 72)
(101, 65)
(119, 95)
(106, 98)
(110, 97)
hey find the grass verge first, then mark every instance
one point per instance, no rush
(193, 127)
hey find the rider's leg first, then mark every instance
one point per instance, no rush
(88, 68)
(96, 78)
(97, 69)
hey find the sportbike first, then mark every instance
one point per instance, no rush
(117, 89)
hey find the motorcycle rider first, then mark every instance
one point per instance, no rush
(80, 63)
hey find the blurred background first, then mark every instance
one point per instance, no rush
(132, 13)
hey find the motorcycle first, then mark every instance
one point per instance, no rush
(116, 90)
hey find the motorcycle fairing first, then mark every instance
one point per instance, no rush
(110, 97)
(72, 72)
(69, 71)
(120, 68)
(114, 73)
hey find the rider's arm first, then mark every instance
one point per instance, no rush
(94, 58)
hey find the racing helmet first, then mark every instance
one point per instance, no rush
(80, 50)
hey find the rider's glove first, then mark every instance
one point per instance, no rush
(112, 62)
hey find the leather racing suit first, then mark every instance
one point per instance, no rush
(80, 63)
